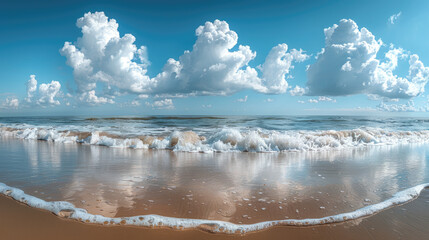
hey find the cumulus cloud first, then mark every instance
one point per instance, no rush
(394, 18)
(102, 55)
(269, 100)
(408, 107)
(162, 104)
(326, 99)
(348, 65)
(211, 68)
(10, 103)
(277, 65)
(322, 99)
(31, 88)
(389, 85)
(91, 99)
(46, 94)
(242, 99)
(297, 91)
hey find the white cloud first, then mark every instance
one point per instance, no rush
(348, 65)
(211, 68)
(408, 107)
(44, 95)
(300, 101)
(135, 103)
(31, 88)
(394, 18)
(386, 83)
(143, 56)
(10, 103)
(47, 93)
(162, 104)
(91, 99)
(143, 96)
(277, 65)
(298, 91)
(322, 99)
(242, 99)
(269, 100)
(206, 106)
(102, 55)
(13, 102)
(326, 99)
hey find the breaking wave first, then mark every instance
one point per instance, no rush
(68, 210)
(229, 139)
(153, 118)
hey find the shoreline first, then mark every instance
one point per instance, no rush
(19, 221)
(69, 211)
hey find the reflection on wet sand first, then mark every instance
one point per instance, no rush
(235, 187)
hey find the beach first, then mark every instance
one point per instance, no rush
(409, 221)
(327, 184)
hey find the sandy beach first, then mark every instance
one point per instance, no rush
(409, 221)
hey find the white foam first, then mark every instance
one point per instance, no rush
(66, 209)
(234, 140)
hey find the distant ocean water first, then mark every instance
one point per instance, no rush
(222, 133)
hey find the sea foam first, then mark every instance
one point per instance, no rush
(229, 139)
(68, 210)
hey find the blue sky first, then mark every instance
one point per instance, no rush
(34, 33)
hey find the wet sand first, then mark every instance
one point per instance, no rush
(409, 221)
(235, 187)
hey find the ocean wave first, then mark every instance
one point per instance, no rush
(154, 118)
(68, 210)
(229, 139)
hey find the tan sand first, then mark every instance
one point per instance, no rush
(409, 221)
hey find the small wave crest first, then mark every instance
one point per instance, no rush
(229, 139)
(152, 118)
(68, 210)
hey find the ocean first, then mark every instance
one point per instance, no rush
(218, 173)
(221, 133)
